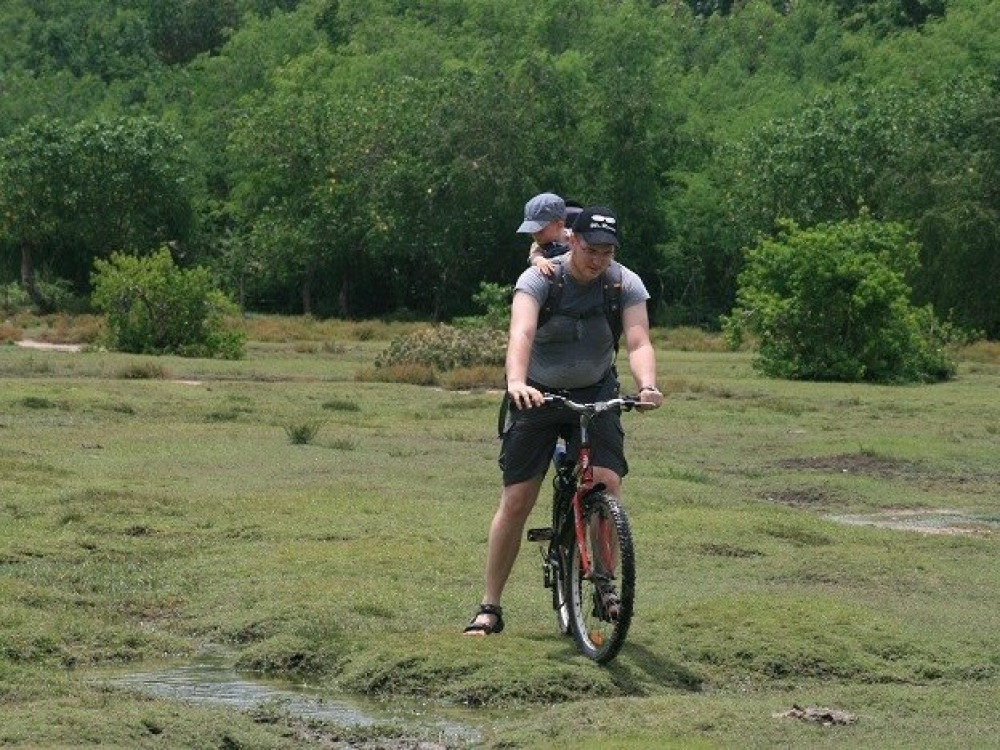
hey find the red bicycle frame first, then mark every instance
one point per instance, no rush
(585, 481)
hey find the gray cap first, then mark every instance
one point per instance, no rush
(541, 210)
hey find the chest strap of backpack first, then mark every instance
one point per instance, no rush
(611, 290)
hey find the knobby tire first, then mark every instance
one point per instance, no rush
(559, 565)
(598, 635)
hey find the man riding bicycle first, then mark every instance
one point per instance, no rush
(571, 353)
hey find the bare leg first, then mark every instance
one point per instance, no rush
(604, 552)
(609, 479)
(506, 531)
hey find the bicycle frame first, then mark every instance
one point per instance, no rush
(584, 472)
(592, 575)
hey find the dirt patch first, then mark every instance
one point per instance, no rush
(939, 521)
(869, 464)
(807, 497)
(49, 347)
(828, 717)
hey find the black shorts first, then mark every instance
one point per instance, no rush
(531, 436)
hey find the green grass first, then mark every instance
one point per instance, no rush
(143, 517)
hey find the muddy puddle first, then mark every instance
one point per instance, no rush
(211, 680)
(927, 521)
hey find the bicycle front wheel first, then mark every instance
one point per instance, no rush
(600, 601)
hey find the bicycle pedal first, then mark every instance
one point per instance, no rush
(540, 535)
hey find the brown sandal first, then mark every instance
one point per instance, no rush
(494, 610)
(607, 603)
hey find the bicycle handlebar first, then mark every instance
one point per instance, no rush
(627, 403)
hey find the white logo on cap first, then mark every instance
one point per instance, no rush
(607, 223)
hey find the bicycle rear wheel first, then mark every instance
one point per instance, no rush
(600, 604)
(560, 590)
(559, 562)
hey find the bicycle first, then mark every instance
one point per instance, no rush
(590, 560)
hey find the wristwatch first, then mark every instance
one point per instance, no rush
(652, 388)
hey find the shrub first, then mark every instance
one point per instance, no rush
(10, 333)
(57, 293)
(13, 298)
(303, 433)
(832, 303)
(445, 348)
(70, 329)
(153, 307)
(495, 300)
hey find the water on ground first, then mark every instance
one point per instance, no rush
(212, 681)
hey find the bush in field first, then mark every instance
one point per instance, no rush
(446, 348)
(495, 301)
(833, 303)
(154, 307)
(303, 433)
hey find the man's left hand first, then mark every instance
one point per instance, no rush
(650, 398)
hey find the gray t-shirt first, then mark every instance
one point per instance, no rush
(575, 348)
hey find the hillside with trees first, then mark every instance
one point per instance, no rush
(363, 158)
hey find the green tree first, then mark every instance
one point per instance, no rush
(924, 158)
(182, 29)
(107, 39)
(832, 303)
(946, 182)
(887, 16)
(295, 195)
(700, 122)
(69, 194)
(385, 190)
(35, 195)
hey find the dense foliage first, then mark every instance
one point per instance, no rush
(832, 303)
(73, 193)
(363, 158)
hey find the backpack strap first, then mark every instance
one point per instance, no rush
(611, 285)
(557, 284)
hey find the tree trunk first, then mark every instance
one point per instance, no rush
(307, 284)
(28, 281)
(342, 298)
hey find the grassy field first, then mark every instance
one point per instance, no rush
(149, 507)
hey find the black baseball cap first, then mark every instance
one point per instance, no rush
(598, 225)
(573, 209)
